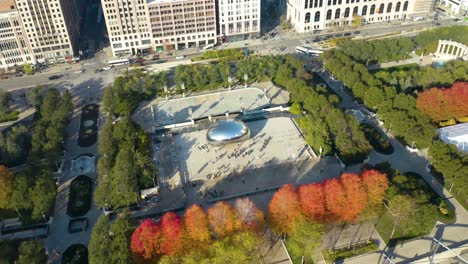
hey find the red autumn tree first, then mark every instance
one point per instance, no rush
(145, 240)
(172, 231)
(335, 200)
(312, 201)
(249, 214)
(284, 209)
(443, 104)
(196, 224)
(376, 184)
(223, 219)
(356, 196)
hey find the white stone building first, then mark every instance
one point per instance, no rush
(456, 135)
(238, 19)
(456, 6)
(316, 15)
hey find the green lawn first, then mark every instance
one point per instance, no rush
(75, 254)
(9, 116)
(296, 258)
(377, 140)
(79, 201)
(337, 255)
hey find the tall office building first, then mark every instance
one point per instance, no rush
(182, 23)
(52, 28)
(14, 45)
(238, 19)
(311, 15)
(128, 28)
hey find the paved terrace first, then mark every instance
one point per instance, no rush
(160, 113)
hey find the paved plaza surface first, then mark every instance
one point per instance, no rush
(160, 113)
(273, 141)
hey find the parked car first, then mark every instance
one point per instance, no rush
(107, 68)
(98, 70)
(180, 57)
(54, 77)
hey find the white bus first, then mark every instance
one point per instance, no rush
(209, 46)
(309, 51)
(119, 62)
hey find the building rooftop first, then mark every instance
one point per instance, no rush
(163, 1)
(454, 131)
(7, 5)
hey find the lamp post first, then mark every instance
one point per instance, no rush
(246, 77)
(165, 91)
(183, 89)
(229, 82)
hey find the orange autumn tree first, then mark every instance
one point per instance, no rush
(172, 234)
(376, 184)
(443, 104)
(145, 240)
(223, 219)
(356, 196)
(312, 201)
(335, 200)
(250, 216)
(196, 224)
(284, 209)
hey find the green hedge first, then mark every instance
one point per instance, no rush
(10, 116)
(340, 254)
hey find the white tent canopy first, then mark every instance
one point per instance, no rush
(456, 135)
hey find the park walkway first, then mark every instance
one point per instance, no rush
(417, 250)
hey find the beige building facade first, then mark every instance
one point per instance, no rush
(37, 31)
(127, 26)
(14, 45)
(179, 24)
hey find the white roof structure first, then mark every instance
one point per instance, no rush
(456, 135)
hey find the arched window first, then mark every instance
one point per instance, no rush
(381, 9)
(355, 10)
(306, 4)
(337, 13)
(329, 14)
(397, 8)
(307, 18)
(346, 12)
(372, 9)
(364, 10)
(405, 6)
(317, 16)
(389, 8)
(334, 2)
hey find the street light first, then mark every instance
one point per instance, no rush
(183, 89)
(165, 91)
(246, 77)
(229, 82)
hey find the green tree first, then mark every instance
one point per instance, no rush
(31, 252)
(34, 96)
(43, 195)
(4, 100)
(20, 197)
(239, 248)
(28, 68)
(100, 242)
(16, 144)
(124, 179)
(6, 186)
(120, 232)
(306, 239)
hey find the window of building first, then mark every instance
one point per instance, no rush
(346, 12)
(307, 17)
(397, 8)
(337, 13)
(372, 10)
(381, 9)
(389, 8)
(317, 16)
(329, 14)
(405, 6)
(306, 4)
(364, 10)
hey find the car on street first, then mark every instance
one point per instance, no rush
(347, 34)
(97, 70)
(180, 57)
(107, 68)
(80, 71)
(54, 77)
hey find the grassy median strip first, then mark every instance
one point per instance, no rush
(340, 254)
